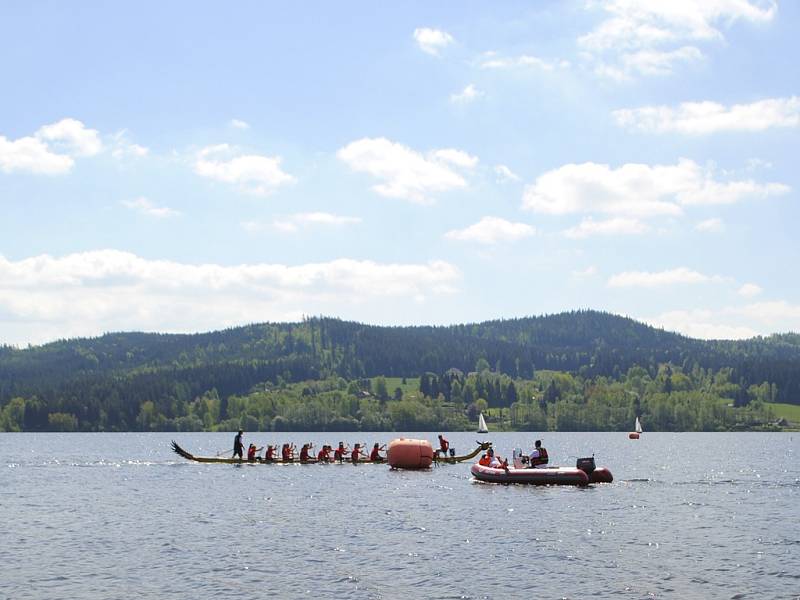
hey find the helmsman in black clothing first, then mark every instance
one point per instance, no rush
(238, 446)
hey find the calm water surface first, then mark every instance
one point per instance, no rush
(120, 516)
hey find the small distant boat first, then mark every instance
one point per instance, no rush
(637, 429)
(482, 428)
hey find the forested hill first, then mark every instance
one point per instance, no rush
(130, 367)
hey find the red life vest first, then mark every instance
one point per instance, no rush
(542, 459)
(375, 454)
(251, 453)
(304, 453)
(270, 453)
(286, 453)
(355, 454)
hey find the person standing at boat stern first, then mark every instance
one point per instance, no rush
(238, 446)
(444, 445)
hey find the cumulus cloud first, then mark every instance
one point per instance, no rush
(637, 190)
(432, 41)
(72, 136)
(298, 221)
(491, 230)
(249, 172)
(44, 297)
(713, 225)
(748, 290)
(732, 322)
(469, 94)
(650, 38)
(239, 124)
(491, 60)
(697, 118)
(645, 279)
(702, 324)
(144, 206)
(406, 173)
(51, 150)
(32, 155)
(616, 226)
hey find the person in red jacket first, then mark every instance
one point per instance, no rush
(340, 452)
(444, 445)
(287, 453)
(356, 454)
(269, 456)
(375, 455)
(251, 453)
(304, 453)
(324, 454)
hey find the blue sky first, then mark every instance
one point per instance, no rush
(187, 166)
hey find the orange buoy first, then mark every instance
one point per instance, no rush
(634, 435)
(409, 454)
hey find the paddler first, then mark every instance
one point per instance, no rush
(269, 456)
(324, 455)
(287, 452)
(251, 453)
(304, 453)
(356, 454)
(375, 455)
(340, 452)
(238, 446)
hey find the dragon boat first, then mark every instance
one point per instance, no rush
(399, 445)
(583, 473)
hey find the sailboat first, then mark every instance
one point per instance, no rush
(482, 424)
(637, 429)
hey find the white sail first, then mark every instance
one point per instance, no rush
(638, 428)
(482, 425)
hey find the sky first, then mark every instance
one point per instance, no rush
(193, 166)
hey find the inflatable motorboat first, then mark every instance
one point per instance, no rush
(583, 473)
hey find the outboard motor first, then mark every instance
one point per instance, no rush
(521, 460)
(586, 465)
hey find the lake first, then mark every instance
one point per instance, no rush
(689, 515)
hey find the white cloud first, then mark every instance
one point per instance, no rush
(405, 173)
(432, 41)
(713, 225)
(748, 290)
(145, 207)
(72, 136)
(491, 230)
(616, 226)
(732, 322)
(122, 147)
(505, 174)
(455, 157)
(250, 172)
(645, 279)
(491, 60)
(296, 222)
(469, 94)
(32, 155)
(239, 124)
(46, 297)
(636, 190)
(649, 38)
(697, 118)
(702, 324)
(51, 150)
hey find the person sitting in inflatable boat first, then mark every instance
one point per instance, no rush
(539, 457)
